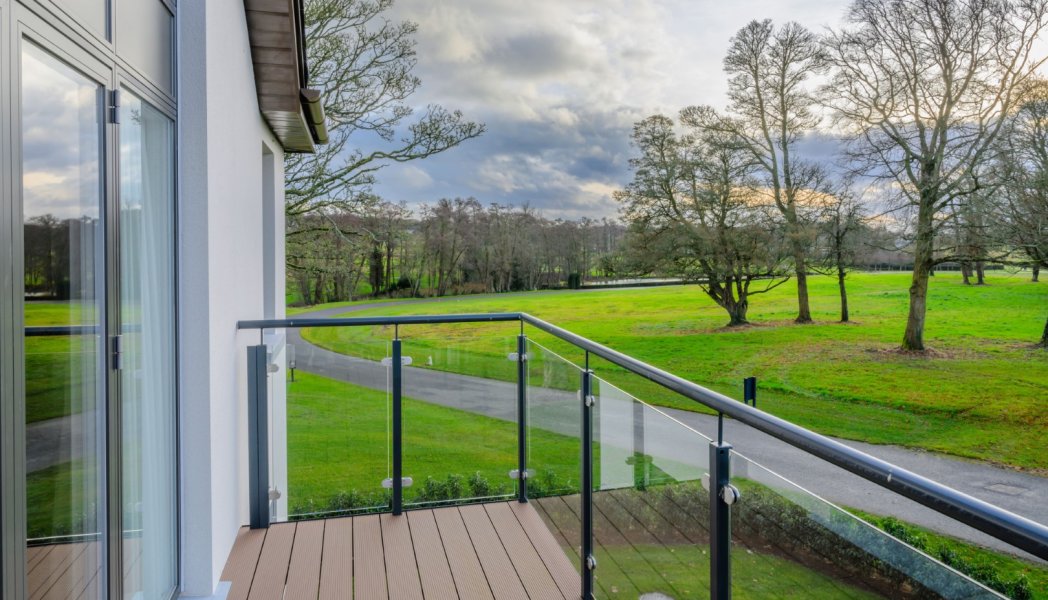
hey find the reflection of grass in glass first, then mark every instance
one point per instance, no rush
(60, 500)
(338, 443)
(41, 312)
(59, 371)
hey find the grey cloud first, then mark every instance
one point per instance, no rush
(536, 54)
(560, 84)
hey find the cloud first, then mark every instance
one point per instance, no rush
(559, 86)
(414, 178)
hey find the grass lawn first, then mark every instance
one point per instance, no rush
(685, 574)
(982, 393)
(338, 440)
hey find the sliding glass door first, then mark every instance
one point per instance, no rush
(147, 369)
(63, 200)
(93, 149)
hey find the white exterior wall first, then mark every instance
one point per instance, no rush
(221, 245)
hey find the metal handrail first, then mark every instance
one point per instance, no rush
(1006, 526)
(364, 321)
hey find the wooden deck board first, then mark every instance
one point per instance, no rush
(271, 572)
(240, 566)
(336, 564)
(538, 583)
(499, 570)
(369, 567)
(462, 558)
(479, 552)
(433, 568)
(303, 575)
(401, 568)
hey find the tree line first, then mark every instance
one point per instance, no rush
(454, 246)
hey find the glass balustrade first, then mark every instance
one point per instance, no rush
(799, 526)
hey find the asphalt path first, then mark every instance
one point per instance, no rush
(672, 438)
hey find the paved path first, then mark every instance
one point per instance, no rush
(59, 440)
(670, 439)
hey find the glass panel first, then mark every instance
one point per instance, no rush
(459, 419)
(554, 445)
(91, 13)
(147, 310)
(798, 544)
(650, 511)
(338, 422)
(64, 386)
(143, 35)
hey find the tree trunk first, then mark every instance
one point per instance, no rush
(844, 295)
(980, 273)
(736, 312)
(723, 294)
(923, 263)
(966, 273)
(1044, 336)
(1036, 273)
(302, 283)
(803, 310)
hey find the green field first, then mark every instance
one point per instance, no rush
(338, 444)
(338, 439)
(981, 392)
(337, 453)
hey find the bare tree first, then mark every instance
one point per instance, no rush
(693, 212)
(772, 105)
(363, 63)
(925, 87)
(839, 229)
(1022, 213)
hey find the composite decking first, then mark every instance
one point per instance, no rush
(483, 551)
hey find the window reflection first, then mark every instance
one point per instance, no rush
(65, 417)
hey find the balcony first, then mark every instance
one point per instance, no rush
(500, 549)
(500, 456)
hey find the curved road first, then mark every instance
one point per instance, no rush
(670, 440)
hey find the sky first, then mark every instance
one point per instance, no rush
(559, 84)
